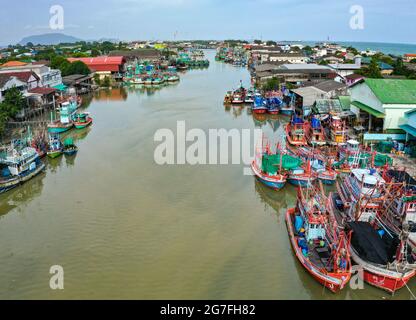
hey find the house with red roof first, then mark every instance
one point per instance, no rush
(29, 78)
(409, 57)
(105, 65)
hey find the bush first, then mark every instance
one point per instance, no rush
(107, 82)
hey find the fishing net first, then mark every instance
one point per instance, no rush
(271, 163)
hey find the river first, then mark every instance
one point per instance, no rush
(123, 227)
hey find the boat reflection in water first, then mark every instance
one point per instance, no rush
(18, 197)
(113, 94)
(279, 201)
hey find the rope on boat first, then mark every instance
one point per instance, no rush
(410, 291)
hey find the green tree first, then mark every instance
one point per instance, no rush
(258, 41)
(13, 102)
(271, 43)
(374, 70)
(97, 79)
(76, 67)
(95, 52)
(399, 68)
(353, 50)
(413, 61)
(271, 84)
(107, 82)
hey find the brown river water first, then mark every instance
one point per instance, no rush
(123, 227)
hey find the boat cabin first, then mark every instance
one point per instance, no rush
(353, 146)
(367, 182)
(18, 162)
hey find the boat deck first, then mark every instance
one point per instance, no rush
(319, 256)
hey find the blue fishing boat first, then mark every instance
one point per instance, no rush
(18, 166)
(259, 105)
(302, 176)
(273, 105)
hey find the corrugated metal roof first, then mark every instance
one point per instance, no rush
(99, 60)
(393, 91)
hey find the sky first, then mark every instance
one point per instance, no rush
(384, 20)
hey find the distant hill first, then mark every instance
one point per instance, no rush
(49, 38)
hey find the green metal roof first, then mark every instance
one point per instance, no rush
(368, 109)
(393, 91)
(345, 102)
(409, 129)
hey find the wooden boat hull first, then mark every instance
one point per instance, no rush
(273, 111)
(275, 183)
(54, 154)
(16, 181)
(82, 125)
(333, 282)
(328, 178)
(303, 182)
(387, 280)
(329, 182)
(259, 111)
(60, 128)
(286, 112)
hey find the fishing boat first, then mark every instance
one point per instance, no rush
(137, 80)
(249, 98)
(337, 131)
(38, 142)
(324, 172)
(399, 202)
(228, 99)
(384, 258)
(70, 149)
(173, 78)
(55, 147)
(82, 120)
(269, 168)
(259, 105)
(18, 166)
(317, 133)
(273, 105)
(297, 132)
(321, 250)
(302, 176)
(148, 81)
(287, 110)
(382, 252)
(157, 81)
(363, 187)
(64, 123)
(321, 163)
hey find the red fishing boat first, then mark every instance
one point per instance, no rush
(384, 256)
(297, 132)
(320, 250)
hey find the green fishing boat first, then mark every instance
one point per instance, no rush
(70, 149)
(82, 120)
